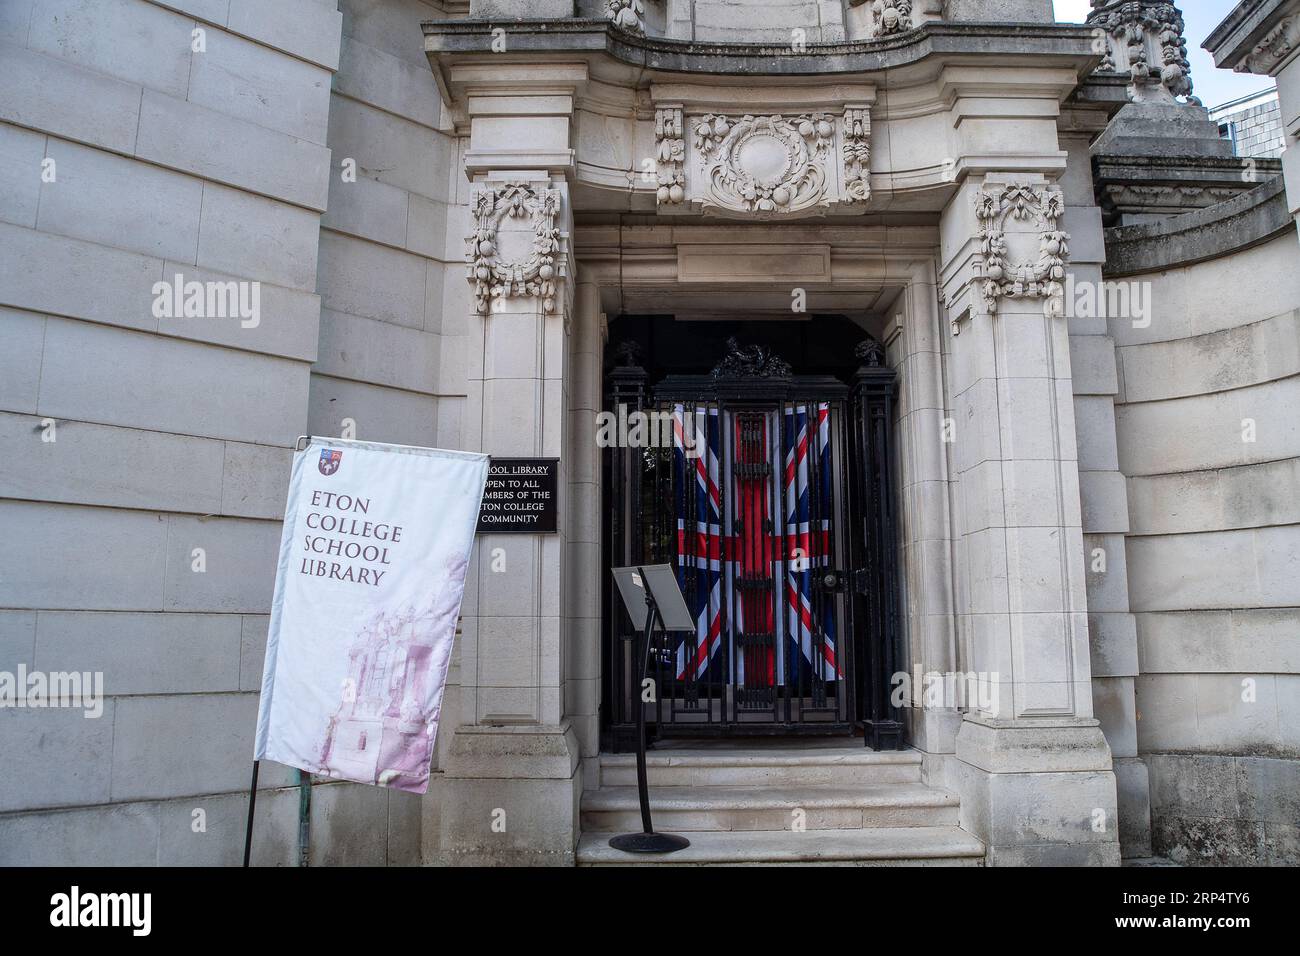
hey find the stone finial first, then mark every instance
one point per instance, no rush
(1145, 39)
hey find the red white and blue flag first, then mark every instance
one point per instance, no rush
(778, 535)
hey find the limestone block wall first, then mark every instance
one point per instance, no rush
(143, 458)
(1208, 440)
(395, 304)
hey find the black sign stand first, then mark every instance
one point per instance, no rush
(648, 841)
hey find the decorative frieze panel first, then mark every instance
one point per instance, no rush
(762, 165)
(766, 165)
(1023, 252)
(516, 248)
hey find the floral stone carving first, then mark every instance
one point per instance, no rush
(857, 155)
(516, 248)
(768, 165)
(1023, 252)
(670, 156)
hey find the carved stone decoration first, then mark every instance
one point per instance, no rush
(750, 361)
(670, 156)
(1274, 49)
(1146, 39)
(1022, 251)
(768, 165)
(627, 15)
(506, 262)
(891, 16)
(857, 155)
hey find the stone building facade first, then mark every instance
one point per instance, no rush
(479, 225)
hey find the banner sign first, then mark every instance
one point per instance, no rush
(376, 543)
(521, 497)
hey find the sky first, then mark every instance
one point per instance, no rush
(1213, 86)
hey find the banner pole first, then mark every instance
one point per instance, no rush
(304, 818)
(252, 805)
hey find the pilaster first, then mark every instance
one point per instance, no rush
(512, 769)
(1034, 750)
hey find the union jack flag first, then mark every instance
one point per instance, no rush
(751, 582)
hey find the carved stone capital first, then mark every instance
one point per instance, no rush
(1023, 252)
(516, 248)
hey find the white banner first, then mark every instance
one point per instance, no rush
(376, 542)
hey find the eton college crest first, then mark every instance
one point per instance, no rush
(329, 461)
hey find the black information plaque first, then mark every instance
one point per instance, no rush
(520, 497)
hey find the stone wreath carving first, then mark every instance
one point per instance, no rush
(857, 155)
(627, 15)
(1145, 30)
(769, 165)
(533, 263)
(750, 361)
(1015, 220)
(670, 156)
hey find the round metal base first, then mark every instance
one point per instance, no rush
(649, 843)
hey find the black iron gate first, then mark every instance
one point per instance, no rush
(769, 495)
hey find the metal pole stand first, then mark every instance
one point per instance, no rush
(647, 841)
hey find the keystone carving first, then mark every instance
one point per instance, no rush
(1022, 251)
(506, 260)
(768, 165)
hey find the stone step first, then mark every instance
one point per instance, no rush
(877, 846)
(691, 809)
(848, 767)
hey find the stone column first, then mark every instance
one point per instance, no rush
(1033, 768)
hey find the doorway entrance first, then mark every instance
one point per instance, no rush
(766, 488)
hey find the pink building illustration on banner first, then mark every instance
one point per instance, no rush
(386, 724)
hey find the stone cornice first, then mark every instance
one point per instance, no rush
(1219, 230)
(1234, 43)
(1008, 42)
